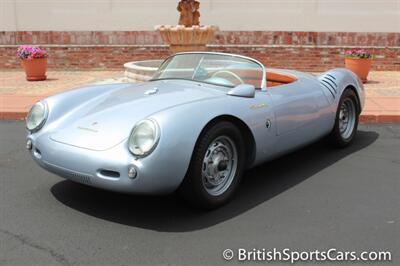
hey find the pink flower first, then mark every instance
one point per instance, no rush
(29, 52)
(357, 53)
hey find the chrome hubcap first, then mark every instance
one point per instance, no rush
(219, 165)
(347, 118)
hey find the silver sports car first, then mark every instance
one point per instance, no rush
(195, 127)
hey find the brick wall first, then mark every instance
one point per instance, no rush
(307, 51)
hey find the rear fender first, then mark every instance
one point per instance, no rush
(336, 81)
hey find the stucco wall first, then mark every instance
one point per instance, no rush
(267, 15)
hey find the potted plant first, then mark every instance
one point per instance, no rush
(34, 62)
(359, 61)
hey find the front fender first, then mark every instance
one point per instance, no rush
(182, 125)
(63, 103)
(180, 128)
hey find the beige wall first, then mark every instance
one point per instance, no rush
(280, 15)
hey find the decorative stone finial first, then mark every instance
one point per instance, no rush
(190, 15)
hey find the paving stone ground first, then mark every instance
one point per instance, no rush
(14, 82)
(17, 95)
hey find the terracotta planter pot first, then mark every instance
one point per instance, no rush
(35, 69)
(360, 67)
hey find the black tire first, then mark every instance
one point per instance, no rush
(192, 188)
(337, 138)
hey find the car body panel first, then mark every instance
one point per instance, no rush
(92, 125)
(87, 129)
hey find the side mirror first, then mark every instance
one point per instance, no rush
(243, 90)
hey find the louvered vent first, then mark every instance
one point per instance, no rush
(329, 82)
(72, 175)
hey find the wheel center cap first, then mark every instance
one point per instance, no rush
(222, 166)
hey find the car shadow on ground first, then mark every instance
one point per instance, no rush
(170, 214)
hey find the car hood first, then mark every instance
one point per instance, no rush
(106, 120)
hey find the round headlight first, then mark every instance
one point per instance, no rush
(144, 137)
(36, 117)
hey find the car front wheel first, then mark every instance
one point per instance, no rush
(216, 167)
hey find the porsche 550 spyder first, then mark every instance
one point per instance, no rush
(195, 127)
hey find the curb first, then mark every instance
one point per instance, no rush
(364, 119)
(16, 115)
(379, 119)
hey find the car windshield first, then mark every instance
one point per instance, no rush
(216, 69)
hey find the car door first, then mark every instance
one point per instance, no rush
(298, 107)
(259, 115)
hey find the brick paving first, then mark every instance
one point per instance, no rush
(17, 95)
(382, 97)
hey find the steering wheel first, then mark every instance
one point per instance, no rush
(230, 73)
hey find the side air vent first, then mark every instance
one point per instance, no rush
(330, 83)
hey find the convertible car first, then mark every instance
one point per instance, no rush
(195, 127)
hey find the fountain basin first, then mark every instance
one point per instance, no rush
(185, 39)
(140, 71)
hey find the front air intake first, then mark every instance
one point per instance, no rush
(109, 173)
(69, 174)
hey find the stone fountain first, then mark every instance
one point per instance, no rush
(139, 71)
(188, 35)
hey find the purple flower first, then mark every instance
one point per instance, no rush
(29, 52)
(358, 53)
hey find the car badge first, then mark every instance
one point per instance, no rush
(258, 106)
(151, 91)
(91, 129)
(268, 124)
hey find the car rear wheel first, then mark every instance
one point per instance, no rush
(346, 122)
(216, 167)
